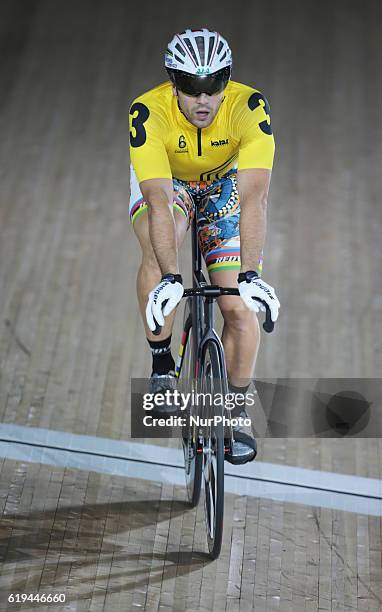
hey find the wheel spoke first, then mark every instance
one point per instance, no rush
(211, 513)
(192, 459)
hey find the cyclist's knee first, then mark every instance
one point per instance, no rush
(236, 315)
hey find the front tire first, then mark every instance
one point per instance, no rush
(191, 441)
(213, 451)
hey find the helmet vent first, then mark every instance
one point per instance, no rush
(191, 49)
(200, 44)
(179, 59)
(220, 47)
(179, 48)
(223, 56)
(210, 47)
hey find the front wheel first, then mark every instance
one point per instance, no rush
(213, 448)
(191, 440)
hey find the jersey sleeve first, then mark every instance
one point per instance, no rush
(148, 153)
(257, 145)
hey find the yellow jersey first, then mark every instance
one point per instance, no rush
(164, 144)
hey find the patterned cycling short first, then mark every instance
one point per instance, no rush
(217, 217)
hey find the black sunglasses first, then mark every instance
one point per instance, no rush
(194, 85)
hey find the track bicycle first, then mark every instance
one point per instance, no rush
(201, 365)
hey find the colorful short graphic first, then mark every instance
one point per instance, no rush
(217, 216)
(182, 202)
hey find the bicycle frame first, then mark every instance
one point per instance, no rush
(202, 311)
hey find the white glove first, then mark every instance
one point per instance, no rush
(169, 289)
(253, 287)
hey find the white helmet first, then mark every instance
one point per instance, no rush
(200, 54)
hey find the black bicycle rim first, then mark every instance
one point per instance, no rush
(213, 456)
(192, 449)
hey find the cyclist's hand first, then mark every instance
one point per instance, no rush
(170, 290)
(251, 286)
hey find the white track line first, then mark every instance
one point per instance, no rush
(163, 464)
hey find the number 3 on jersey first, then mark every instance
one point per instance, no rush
(254, 102)
(139, 138)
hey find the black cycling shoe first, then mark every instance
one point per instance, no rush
(159, 384)
(243, 449)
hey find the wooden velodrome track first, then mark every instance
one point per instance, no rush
(70, 333)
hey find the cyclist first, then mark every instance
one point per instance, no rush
(201, 133)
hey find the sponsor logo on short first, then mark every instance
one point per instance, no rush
(218, 143)
(227, 258)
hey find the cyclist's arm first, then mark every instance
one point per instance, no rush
(158, 193)
(255, 162)
(148, 130)
(253, 187)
